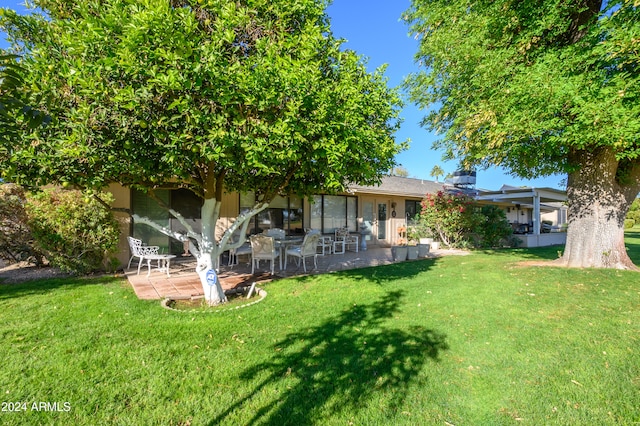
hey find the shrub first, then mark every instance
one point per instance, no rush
(16, 240)
(459, 222)
(629, 223)
(634, 212)
(495, 230)
(75, 231)
(634, 215)
(452, 218)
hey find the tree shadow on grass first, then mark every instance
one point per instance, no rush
(534, 253)
(381, 274)
(338, 365)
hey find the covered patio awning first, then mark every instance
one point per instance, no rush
(540, 199)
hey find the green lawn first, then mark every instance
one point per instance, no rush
(462, 340)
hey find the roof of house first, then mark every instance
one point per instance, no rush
(396, 185)
(514, 194)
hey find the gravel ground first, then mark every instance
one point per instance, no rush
(21, 272)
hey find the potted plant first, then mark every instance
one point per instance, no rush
(412, 251)
(423, 247)
(421, 234)
(400, 250)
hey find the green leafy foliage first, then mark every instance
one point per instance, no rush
(15, 113)
(540, 88)
(458, 221)
(247, 95)
(450, 217)
(495, 228)
(634, 211)
(73, 229)
(16, 241)
(522, 84)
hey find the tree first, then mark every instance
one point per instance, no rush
(540, 88)
(436, 172)
(203, 95)
(15, 113)
(400, 171)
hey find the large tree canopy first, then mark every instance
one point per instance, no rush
(16, 115)
(540, 87)
(251, 95)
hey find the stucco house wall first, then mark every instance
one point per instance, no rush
(381, 209)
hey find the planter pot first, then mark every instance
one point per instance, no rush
(426, 240)
(435, 245)
(412, 252)
(399, 253)
(423, 250)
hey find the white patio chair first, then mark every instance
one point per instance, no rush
(243, 250)
(346, 239)
(263, 248)
(140, 251)
(234, 253)
(325, 243)
(308, 248)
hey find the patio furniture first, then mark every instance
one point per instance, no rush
(325, 242)
(347, 239)
(263, 248)
(338, 247)
(308, 248)
(243, 250)
(276, 233)
(140, 251)
(163, 262)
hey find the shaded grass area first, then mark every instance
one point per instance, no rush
(467, 340)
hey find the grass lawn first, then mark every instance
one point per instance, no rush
(462, 340)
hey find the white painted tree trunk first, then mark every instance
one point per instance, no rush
(209, 253)
(207, 249)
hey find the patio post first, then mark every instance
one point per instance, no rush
(536, 212)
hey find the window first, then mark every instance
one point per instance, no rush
(330, 212)
(283, 212)
(183, 201)
(411, 209)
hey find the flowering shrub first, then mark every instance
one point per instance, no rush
(452, 218)
(458, 221)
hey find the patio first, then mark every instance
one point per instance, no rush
(185, 283)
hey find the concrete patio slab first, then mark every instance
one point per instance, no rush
(185, 283)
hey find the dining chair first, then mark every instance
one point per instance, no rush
(308, 248)
(263, 248)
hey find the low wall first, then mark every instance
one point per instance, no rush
(551, 239)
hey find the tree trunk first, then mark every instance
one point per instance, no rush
(598, 204)
(213, 292)
(209, 253)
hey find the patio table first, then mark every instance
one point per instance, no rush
(163, 262)
(286, 242)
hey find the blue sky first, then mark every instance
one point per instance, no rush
(373, 29)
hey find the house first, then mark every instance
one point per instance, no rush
(374, 211)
